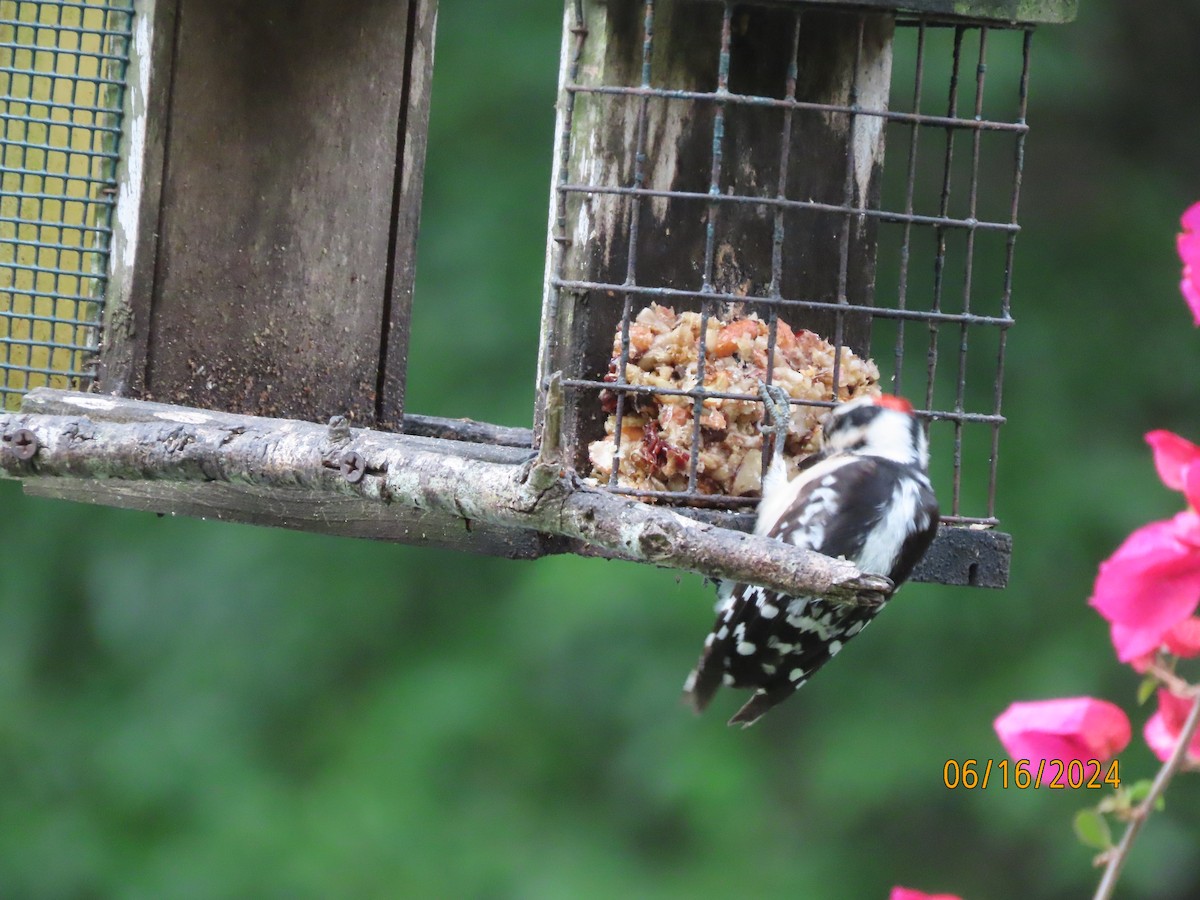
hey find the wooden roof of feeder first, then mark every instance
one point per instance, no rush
(1010, 12)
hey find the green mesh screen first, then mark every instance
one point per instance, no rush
(62, 70)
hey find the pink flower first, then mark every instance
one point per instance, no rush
(1188, 242)
(1080, 728)
(903, 893)
(1178, 464)
(1150, 585)
(1184, 638)
(1162, 731)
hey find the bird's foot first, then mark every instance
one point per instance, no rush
(777, 418)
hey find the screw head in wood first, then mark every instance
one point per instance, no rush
(353, 467)
(24, 443)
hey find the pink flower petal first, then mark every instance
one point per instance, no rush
(1191, 486)
(1158, 738)
(1188, 240)
(1163, 728)
(1190, 220)
(1174, 710)
(1150, 584)
(1188, 243)
(903, 893)
(1070, 728)
(1173, 456)
(1135, 645)
(1190, 288)
(1141, 664)
(1184, 638)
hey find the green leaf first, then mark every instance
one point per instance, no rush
(1146, 689)
(1092, 829)
(1139, 791)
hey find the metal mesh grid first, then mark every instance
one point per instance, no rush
(62, 64)
(946, 230)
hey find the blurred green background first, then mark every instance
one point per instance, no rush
(194, 709)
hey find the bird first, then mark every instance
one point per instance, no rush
(864, 496)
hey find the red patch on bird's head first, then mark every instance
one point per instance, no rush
(891, 401)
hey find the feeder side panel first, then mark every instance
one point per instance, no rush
(139, 193)
(410, 179)
(276, 227)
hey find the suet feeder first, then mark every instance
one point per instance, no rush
(814, 165)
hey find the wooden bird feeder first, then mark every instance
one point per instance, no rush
(244, 242)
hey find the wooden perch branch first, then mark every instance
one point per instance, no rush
(396, 487)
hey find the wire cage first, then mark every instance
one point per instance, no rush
(722, 214)
(63, 67)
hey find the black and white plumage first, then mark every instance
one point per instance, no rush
(865, 497)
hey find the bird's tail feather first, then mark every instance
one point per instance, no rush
(703, 682)
(758, 705)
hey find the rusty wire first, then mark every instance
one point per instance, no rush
(919, 290)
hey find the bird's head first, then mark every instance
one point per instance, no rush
(877, 426)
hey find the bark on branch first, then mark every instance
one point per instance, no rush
(166, 458)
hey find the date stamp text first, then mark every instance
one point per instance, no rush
(973, 774)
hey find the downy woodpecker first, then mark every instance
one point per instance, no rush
(865, 497)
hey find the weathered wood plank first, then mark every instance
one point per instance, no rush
(467, 430)
(508, 443)
(967, 556)
(409, 185)
(111, 442)
(962, 556)
(1003, 12)
(47, 404)
(312, 511)
(450, 437)
(959, 556)
(277, 206)
(290, 190)
(139, 175)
